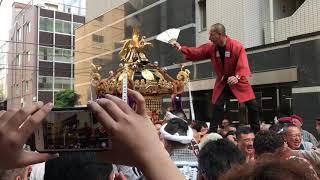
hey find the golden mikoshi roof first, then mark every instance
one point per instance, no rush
(146, 77)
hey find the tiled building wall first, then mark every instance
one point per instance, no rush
(303, 21)
(243, 20)
(99, 7)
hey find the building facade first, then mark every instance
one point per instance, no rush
(41, 53)
(3, 75)
(281, 38)
(101, 37)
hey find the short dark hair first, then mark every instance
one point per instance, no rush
(77, 165)
(271, 170)
(177, 125)
(243, 130)
(287, 126)
(278, 128)
(179, 114)
(218, 27)
(198, 125)
(217, 157)
(267, 142)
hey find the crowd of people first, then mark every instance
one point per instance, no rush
(171, 149)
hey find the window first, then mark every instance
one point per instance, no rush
(17, 89)
(62, 83)
(26, 86)
(19, 34)
(203, 14)
(63, 55)
(97, 38)
(28, 56)
(45, 83)
(75, 26)
(18, 60)
(46, 24)
(28, 27)
(63, 27)
(46, 53)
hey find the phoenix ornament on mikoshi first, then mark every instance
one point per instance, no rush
(152, 81)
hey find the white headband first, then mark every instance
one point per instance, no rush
(169, 116)
(176, 137)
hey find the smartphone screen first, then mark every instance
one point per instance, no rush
(73, 129)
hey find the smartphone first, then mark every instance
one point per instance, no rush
(71, 129)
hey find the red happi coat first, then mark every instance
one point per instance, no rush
(235, 63)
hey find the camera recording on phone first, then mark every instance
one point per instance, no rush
(71, 129)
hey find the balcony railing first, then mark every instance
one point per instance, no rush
(305, 20)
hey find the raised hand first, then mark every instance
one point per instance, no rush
(232, 80)
(135, 141)
(16, 126)
(176, 45)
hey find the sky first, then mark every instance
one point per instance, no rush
(5, 18)
(5, 15)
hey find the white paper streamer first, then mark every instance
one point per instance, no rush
(176, 137)
(191, 102)
(125, 88)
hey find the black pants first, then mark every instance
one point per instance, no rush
(218, 111)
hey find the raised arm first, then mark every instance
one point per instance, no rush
(195, 53)
(135, 141)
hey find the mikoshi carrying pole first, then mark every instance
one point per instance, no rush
(191, 102)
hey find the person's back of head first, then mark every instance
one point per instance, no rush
(209, 137)
(277, 128)
(176, 134)
(179, 114)
(267, 142)
(270, 170)
(77, 166)
(13, 174)
(177, 125)
(216, 157)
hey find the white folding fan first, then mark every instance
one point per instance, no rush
(169, 35)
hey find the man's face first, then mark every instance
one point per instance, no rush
(215, 37)
(318, 126)
(245, 143)
(293, 138)
(225, 123)
(296, 122)
(196, 135)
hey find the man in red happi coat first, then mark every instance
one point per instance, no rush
(230, 62)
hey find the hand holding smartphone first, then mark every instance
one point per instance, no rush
(71, 129)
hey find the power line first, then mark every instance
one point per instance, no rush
(79, 69)
(34, 68)
(49, 45)
(25, 54)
